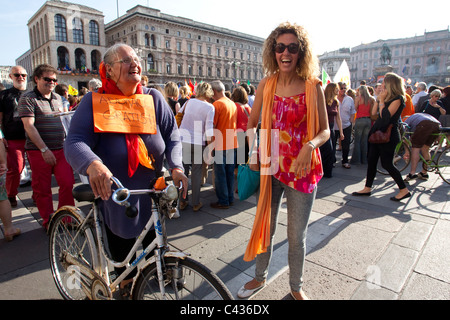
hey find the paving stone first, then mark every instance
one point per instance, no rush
(435, 258)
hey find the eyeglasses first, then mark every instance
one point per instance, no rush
(17, 75)
(50, 79)
(292, 48)
(128, 60)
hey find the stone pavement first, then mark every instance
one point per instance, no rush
(357, 247)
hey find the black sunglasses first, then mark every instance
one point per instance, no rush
(50, 80)
(292, 48)
(17, 75)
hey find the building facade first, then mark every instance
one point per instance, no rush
(70, 37)
(73, 38)
(419, 58)
(178, 49)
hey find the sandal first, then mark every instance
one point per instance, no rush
(10, 237)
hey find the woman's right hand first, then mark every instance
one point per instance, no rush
(100, 179)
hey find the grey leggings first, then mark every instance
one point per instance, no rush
(299, 206)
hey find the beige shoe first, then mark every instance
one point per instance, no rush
(197, 207)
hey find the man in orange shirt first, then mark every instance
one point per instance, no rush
(225, 145)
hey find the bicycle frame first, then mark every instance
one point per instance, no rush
(442, 137)
(102, 257)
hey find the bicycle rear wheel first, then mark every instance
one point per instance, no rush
(443, 165)
(401, 159)
(66, 237)
(184, 279)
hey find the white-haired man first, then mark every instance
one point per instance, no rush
(420, 92)
(14, 132)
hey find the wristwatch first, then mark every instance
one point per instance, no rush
(44, 149)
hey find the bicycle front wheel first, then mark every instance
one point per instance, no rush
(183, 279)
(66, 237)
(443, 165)
(401, 159)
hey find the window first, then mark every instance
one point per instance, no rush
(179, 69)
(178, 45)
(150, 63)
(152, 41)
(199, 48)
(80, 59)
(147, 40)
(60, 28)
(190, 70)
(168, 68)
(167, 44)
(200, 70)
(96, 58)
(63, 58)
(77, 30)
(189, 46)
(218, 72)
(93, 33)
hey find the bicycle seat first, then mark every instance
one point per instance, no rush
(83, 192)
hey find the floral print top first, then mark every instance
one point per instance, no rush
(289, 120)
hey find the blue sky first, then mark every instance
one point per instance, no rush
(331, 24)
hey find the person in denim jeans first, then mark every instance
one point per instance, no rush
(364, 103)
(292, 106)
(225, 144)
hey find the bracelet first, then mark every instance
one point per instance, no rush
(312, 144)
(177, 169)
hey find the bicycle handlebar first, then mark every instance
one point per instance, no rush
(122, 194)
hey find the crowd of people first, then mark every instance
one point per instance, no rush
(299, 123)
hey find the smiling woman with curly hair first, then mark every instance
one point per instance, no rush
(293, 125)
(307, 64)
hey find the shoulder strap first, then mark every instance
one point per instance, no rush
(246, 112)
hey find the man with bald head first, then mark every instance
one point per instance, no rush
(12, 127)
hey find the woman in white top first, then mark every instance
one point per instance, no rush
(196, 130)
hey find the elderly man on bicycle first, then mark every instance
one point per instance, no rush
(425, 128)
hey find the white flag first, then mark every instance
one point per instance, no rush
(343, 74)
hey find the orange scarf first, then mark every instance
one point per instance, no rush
(260, 236)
